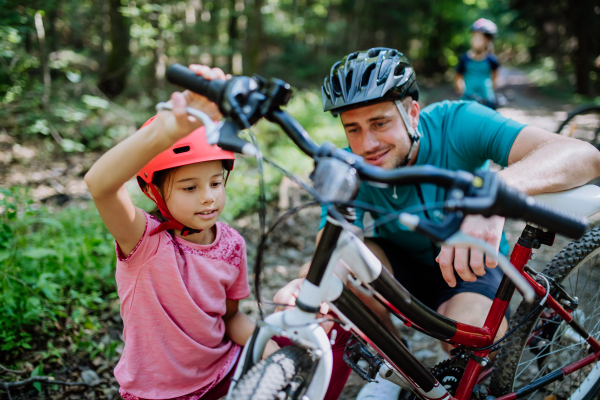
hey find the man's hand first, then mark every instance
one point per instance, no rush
(457, 258)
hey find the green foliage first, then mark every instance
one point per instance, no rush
(54, 267)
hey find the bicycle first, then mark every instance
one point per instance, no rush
(342, 260)
(583, 123)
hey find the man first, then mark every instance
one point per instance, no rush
(375, 93)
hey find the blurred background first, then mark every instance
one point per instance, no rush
(77, 76)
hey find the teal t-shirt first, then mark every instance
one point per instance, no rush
(478, 76)
(456, 135)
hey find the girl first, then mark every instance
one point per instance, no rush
(477, 69)
(180, 276)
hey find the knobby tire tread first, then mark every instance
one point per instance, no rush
(510, 353)
(270, 376)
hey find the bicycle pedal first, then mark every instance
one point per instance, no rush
(362, 360)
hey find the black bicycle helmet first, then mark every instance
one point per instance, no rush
(367, 77)
(485, 26)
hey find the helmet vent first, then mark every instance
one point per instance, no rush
(399, 71)
(373, 53)
(352, 56)
(335, 84)
(349, 79)
(392, 53)
(182, 149)
(367, 75)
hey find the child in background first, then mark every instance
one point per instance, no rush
(179, 277)
(477, 69)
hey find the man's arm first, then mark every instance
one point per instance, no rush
(539, 162)
(544, 162)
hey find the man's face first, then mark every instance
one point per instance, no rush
(378, 134)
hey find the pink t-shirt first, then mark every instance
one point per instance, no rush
(173, 296)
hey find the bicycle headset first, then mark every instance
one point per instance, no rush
(190, 150)
(373, 76)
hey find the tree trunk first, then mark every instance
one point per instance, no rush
(113, 78)
(41, 33)
(232, 34)
(255, 38)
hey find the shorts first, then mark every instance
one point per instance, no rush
(427, 284)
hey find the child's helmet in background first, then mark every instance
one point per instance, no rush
(485, 26)
(191, 149)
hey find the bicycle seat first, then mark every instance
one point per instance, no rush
(584, 200)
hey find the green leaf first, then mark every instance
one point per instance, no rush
(38, 386)
(39, 253)
(70, 146)
(95, 102)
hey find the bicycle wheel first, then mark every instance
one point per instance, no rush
(280, 375)
(545, 343)
(582, 123)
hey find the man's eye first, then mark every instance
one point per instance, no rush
(381, 124)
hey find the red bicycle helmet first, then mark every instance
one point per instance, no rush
(191, 149)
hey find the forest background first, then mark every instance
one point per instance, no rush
(77, 76)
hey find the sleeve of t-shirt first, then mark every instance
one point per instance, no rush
(462, 64)
(146, 248)
(494, 63)
(478, 133)
(240, 289)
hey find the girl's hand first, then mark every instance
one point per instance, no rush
(177, 124)
(200, 102)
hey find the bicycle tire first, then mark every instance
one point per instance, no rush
(515, 362)
(271, 376)
(585, 109)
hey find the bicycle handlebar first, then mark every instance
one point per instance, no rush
(519, 205)
(488, 196)
(182, 76)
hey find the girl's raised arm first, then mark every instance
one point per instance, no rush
(106, 179)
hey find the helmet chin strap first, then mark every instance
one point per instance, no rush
(172, 223)
(413, 133)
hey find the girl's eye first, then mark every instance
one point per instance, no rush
(216, 184)
(189, 188)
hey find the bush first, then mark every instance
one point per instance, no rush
(54, 269)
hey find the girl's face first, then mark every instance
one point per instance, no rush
(196, 194)
(478, 41)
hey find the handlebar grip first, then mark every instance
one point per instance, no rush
(519, 205)
(182, 76)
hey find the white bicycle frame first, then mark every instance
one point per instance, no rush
(352, 256)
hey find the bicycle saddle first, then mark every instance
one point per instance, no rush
(584, 200)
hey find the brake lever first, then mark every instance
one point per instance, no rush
(212, 127)
(462, 239)
(217, 131)
(459, 238)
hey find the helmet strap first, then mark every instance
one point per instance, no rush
(172, 223)
(413, 133)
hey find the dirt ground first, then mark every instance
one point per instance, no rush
(291, 245)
